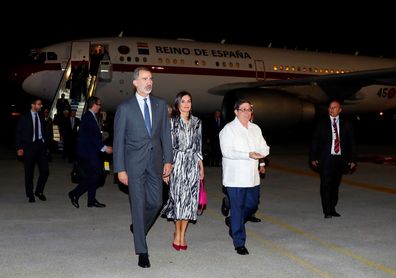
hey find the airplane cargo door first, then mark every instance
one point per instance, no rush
(80, 52)
(260, 69)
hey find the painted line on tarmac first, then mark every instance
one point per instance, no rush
(277, 248)
(331, 246)
(369, 186)
(312, 237)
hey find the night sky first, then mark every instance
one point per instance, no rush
(330, 27)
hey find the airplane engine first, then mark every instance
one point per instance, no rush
(272, 109)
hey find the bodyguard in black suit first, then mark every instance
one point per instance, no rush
(31, 144)
(332, 151)
(89, 149)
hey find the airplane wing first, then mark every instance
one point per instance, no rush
(317, 89)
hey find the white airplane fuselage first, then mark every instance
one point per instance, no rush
(202, 68)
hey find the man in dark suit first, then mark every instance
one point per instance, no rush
(142, 156)
(31, 144)
(89, 150)
(332, 151)
(70, 128)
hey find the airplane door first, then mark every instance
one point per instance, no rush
(260, 69)
(80, 52)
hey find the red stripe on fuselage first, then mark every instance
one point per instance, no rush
(24, 71)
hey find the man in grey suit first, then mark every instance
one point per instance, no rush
(142, 153)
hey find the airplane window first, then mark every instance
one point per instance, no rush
(310, 69)
(224, 64)
(275, 67)
(237, 65)
(129, 58)
(304, 69)
(122, 58)
(280, 67)
(174, 61)
(332, 71)
(41, 57)
(287, 68)
(160, 60)
(231, 65)
(298, 69)
(217, 64)
(182, 61)
(203, 63)
(52, 56)
(136, 59)
(250, 66)
(196, 62)
(167, 60)
(145, 59)
(315, 70)
(123, 49)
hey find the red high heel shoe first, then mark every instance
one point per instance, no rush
(177, 247)
(183, 247)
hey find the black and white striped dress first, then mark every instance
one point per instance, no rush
(184, 180)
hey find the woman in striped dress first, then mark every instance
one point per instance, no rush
(182, 205)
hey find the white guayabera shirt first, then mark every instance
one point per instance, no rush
(236, 141)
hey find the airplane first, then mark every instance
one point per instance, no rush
(286, 87)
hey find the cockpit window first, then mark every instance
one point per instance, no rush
(52, 56)
(41, 57)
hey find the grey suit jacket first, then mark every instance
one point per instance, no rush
(132, 141)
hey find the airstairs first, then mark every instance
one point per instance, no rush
(78, 106)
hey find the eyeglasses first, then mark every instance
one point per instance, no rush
(246, 110)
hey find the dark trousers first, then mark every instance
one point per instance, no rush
(93, 170)
(330, 179)
(145, 199)
(244, 202)
(35, 153)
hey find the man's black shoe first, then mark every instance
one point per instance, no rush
(74, 200)
(131, 228)
(96, 204)
(335, 214)
(225, 206)
(327, 216)
(242, 250)
(41, 196)
(31, 199)
(144, 260)
(254, 219)
(227, 221)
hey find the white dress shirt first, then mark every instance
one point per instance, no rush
(236, 142)
(140, 100)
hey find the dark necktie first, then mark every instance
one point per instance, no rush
(337, 138)
(147, 116)
(36, 127)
